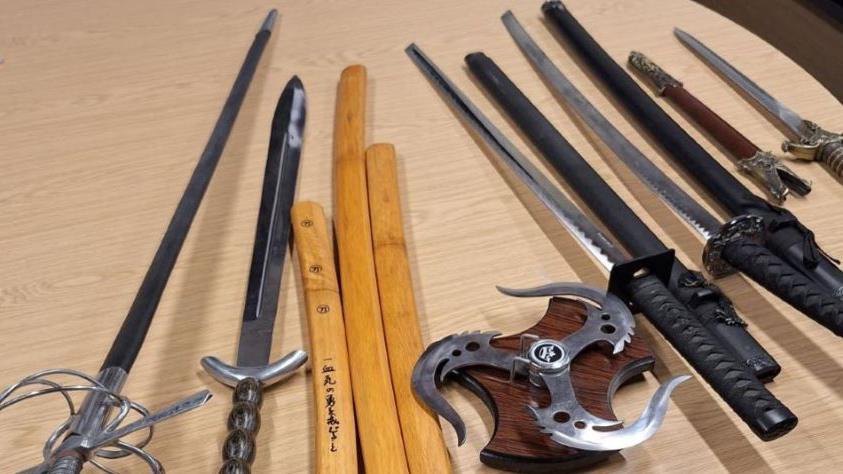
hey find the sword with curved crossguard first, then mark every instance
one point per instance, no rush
(253, 372)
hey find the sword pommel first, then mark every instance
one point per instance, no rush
(660, 79)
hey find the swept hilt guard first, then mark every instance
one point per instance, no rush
(653, 72)
(83, 442)
(547, 361)
(778, 178)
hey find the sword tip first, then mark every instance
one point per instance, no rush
(269, 22)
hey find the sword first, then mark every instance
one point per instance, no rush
(756, 406)
(253, 371)
(788, 262)
(762, 166)
(808, 141)
(706, 300)
(95, 425)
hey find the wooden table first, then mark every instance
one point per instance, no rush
(105, 107)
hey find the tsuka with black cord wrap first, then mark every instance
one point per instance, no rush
(708, 303)
(782, 232)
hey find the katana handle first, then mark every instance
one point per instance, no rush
(749, 399)
(781, 279)
(244, 421)
(717, 313)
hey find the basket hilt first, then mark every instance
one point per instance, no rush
(75, 442)
(238, 450)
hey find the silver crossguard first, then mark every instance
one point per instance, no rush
(547, 363)
(808, 141)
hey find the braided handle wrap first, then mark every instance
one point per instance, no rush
(718, 315)
(832, 155)
(244, 421)
(66, 465)
(758, 408)
(782, 280)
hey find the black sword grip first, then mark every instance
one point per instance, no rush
(717, 313)
(66, 465)
(244, 421)
(757, 407)
(781, 279)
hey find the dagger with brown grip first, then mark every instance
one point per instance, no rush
(336, 436)
(423, 442)
(767, 169)
(374, 400)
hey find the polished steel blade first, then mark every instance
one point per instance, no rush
(273, 229)
(565, 211)
(683, 204)
(788, 117)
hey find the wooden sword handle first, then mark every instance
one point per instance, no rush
(426, 451)
(336, 437)
(374, 401)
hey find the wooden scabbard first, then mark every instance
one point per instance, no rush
(336, 437)
(374, 401)
(426, 451)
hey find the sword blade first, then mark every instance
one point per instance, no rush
(789, 118)
(692, 212)
(594, 241)
(273, 228)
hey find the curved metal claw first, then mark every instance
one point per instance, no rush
(613, 323)
(452, 353)
(268, 374)
(578, 434)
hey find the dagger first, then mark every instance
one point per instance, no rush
(705, 299)
(788, 261)
(807, 141)
(756, 406)
(253, 371)
(764, 167)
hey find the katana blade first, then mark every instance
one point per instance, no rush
(789, 118)
(692, 212)
(273, 228)
(597, 243)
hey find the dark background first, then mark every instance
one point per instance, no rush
(810, 32)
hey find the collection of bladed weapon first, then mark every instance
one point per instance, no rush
(549, 387)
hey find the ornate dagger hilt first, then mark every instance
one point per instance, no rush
(96, 429)
(817, 144)
(776, 176)
(239, 448)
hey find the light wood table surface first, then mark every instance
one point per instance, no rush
(105, 107)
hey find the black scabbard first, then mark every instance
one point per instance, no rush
(711, 306)
(783, 234)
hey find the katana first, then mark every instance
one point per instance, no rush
(94, 430)
(253, 371)
(807, 141)
(759, 408)
(763, 166)
(706, 300)
(766, 242)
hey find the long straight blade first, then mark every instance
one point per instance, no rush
(565, 211)
(683, 204)
(127, 344)
(788, 117)
(273, 230)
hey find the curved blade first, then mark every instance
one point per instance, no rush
(683, 204)
(788, 117)
(642, 429)
(273, 230)
(452, 353)
(565, 211)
